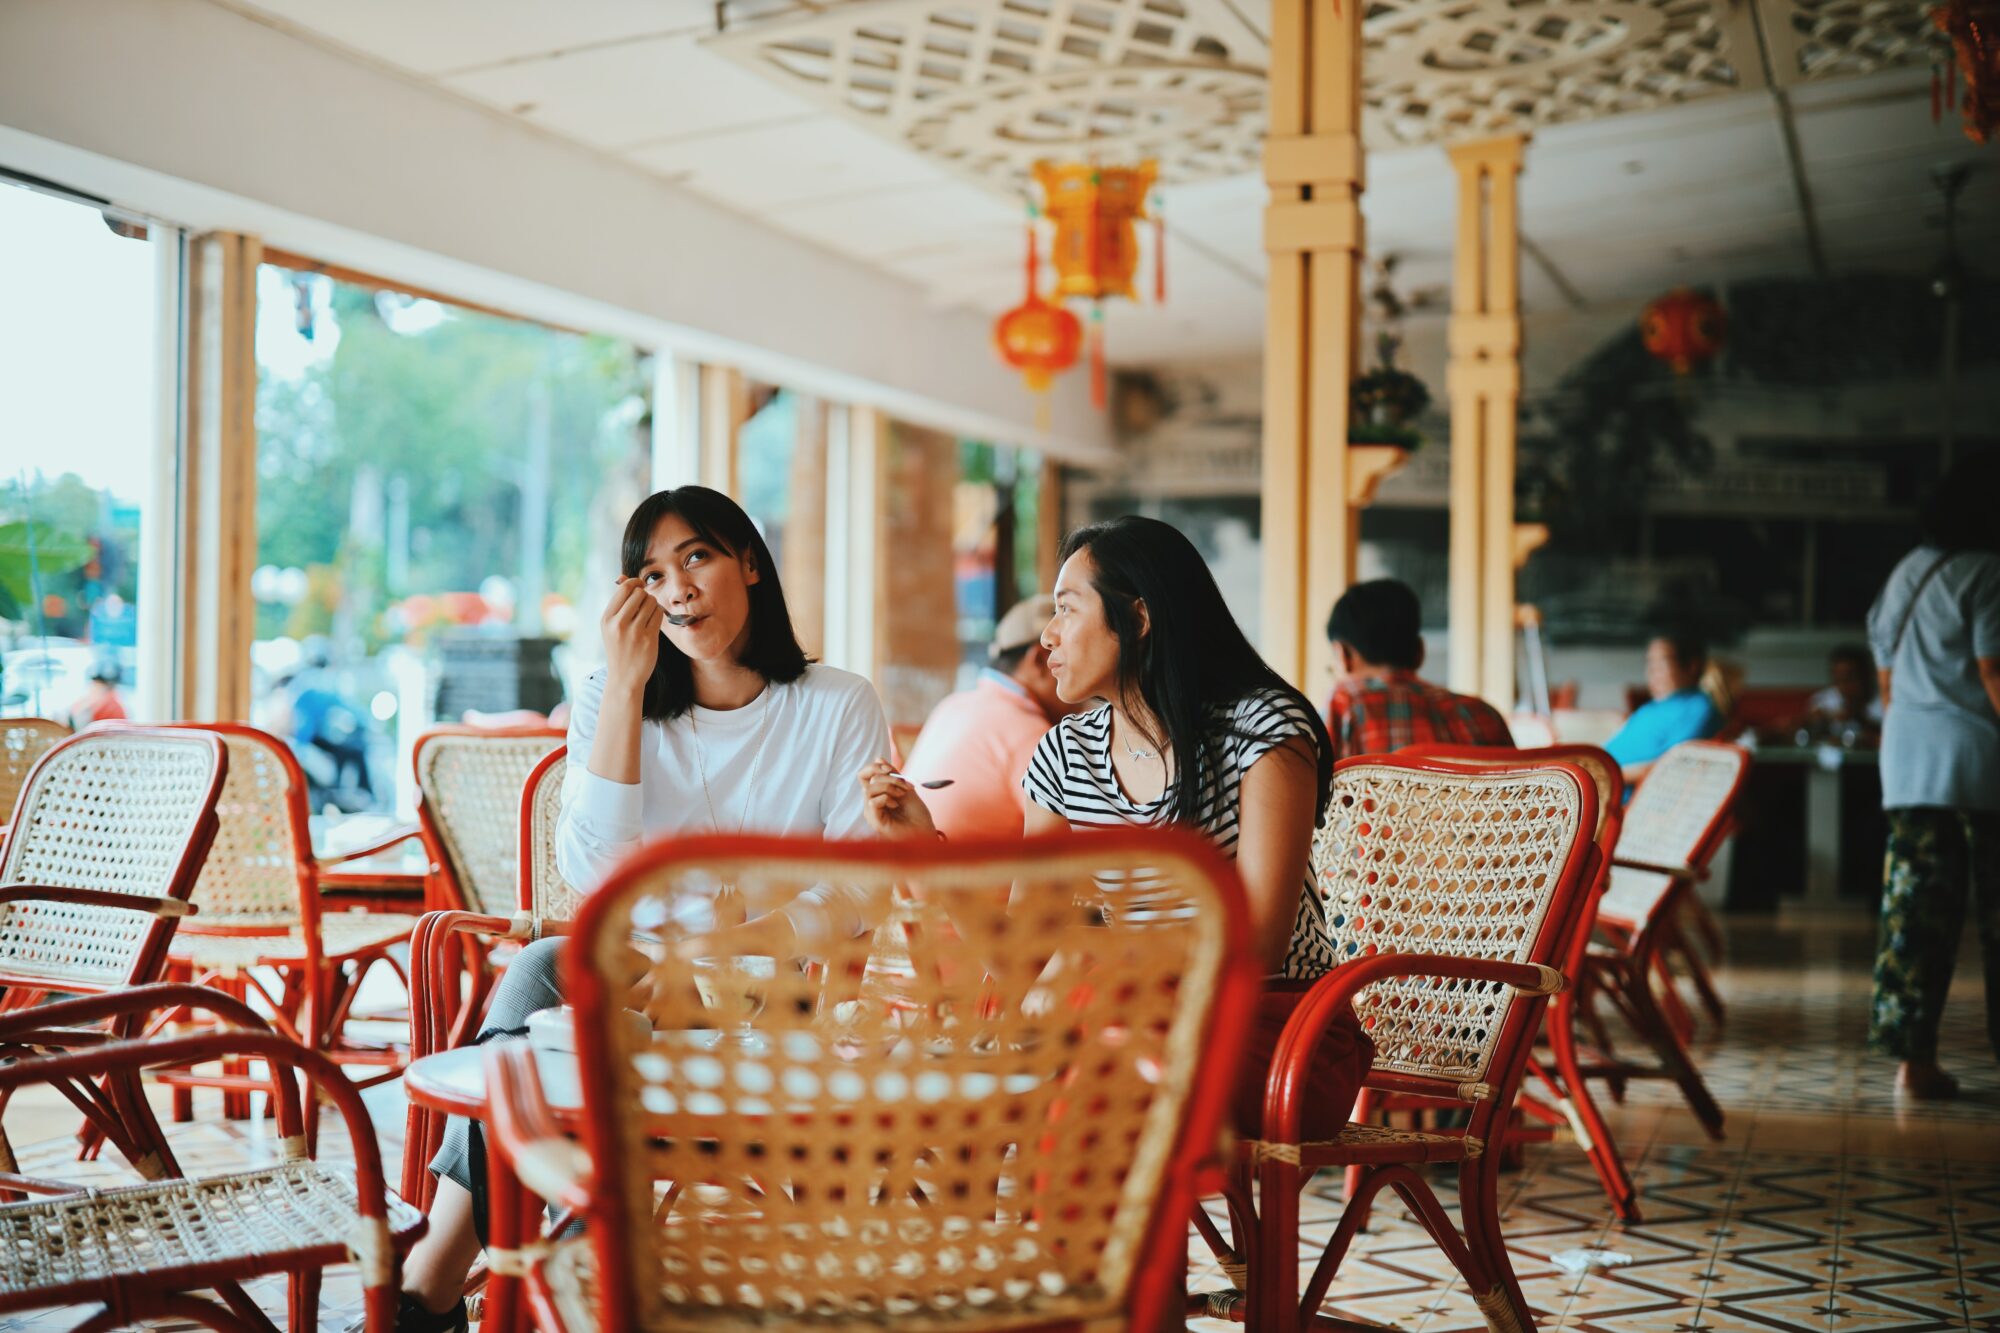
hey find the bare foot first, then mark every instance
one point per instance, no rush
(1925, 1081)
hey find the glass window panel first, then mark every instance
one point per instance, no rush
(80, 297)
(440, 494)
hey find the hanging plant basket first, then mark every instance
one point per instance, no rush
(1383, 402)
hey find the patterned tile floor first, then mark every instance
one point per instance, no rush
(1831, 1206)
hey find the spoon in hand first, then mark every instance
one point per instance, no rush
(932, 785)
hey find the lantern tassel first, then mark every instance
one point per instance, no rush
(1159, 256)
(1099, 373)
(1042, 412)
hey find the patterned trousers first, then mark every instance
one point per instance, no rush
(528, 984)
(1937, 858)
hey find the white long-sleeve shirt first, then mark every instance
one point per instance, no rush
(787, 762)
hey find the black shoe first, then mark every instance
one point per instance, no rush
(412, 1317)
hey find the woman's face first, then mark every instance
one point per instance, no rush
(689, 575)
(1083, 652)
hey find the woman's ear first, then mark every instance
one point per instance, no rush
(751, 574)
(1145, 617)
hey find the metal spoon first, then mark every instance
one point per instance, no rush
(673, 619)
(932, 785)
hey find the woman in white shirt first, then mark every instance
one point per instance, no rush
(706, 717)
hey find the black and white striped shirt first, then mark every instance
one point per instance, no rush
(1071, 774)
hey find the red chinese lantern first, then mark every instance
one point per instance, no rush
(1684, 328)
(1037, 337)
(1973, 28)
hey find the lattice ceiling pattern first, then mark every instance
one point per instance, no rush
(986, 87)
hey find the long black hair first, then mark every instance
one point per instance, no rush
(1194, 663)
(773, 651)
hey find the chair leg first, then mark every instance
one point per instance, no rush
(1365, 1103)
(1274, 1257)
(1586, 1121)
(1672, 1007)
(1674, 1059)
(1698, 973)
(1500, 1297)
(303, 1299)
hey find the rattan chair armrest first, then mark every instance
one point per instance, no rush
(525, 1131)
(1688, 873)
(86, 1009)
(1292, 1061)
(124, 902)
(431, 975)
(400, 834)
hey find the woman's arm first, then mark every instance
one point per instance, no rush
(603, 810)
(1274, 843)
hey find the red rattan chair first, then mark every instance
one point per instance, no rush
(23, 741)
(141, 1250)
(1011, 1145)
(262, 929)
(447, 999)
(1556, 1092)
(469, 783)
(1450, 894)
(1676, 822)
(109, 835)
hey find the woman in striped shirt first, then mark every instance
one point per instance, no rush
(1192, 728)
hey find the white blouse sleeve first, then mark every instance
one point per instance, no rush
(601, 822)
(827, 913)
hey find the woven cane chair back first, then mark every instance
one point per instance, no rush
(124, 810)
(1437, 859)
(1680, 811)
(1000, 1139)
(257, 873)
(23, 740)
(544, 892)
(1605, 776)
(469, 783)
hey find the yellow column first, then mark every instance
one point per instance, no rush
(218, 529)
(725, 406)
(1313, 238)
(1483, 381)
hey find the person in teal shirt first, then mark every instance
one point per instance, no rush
(1678, 711)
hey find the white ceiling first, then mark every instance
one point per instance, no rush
(1614, 210)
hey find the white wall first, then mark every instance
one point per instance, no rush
(199, 115)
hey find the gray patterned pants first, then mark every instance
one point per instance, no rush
(528, 984)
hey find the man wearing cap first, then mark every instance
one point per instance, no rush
(981, 738)
(1379, 705)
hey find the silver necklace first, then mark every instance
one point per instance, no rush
(1136, 752)
(756, 758)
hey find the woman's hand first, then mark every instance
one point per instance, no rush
(631, 627)
(894, 808)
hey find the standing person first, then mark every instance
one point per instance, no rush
(1379, 705)
(981, 738)
(1189, 727)
(1680, 710)
(1935, 632)
(713, 721)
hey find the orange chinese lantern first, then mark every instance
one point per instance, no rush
(1037, 337)
(1683, 328)
(1095, 212)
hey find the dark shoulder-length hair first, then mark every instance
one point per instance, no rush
(1958, 513)
(1195, 664)
(773, 651)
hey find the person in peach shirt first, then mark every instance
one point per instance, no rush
(981, 738)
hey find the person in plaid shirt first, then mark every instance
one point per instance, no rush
(1379, 704)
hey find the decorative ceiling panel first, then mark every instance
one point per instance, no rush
(986, 87)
